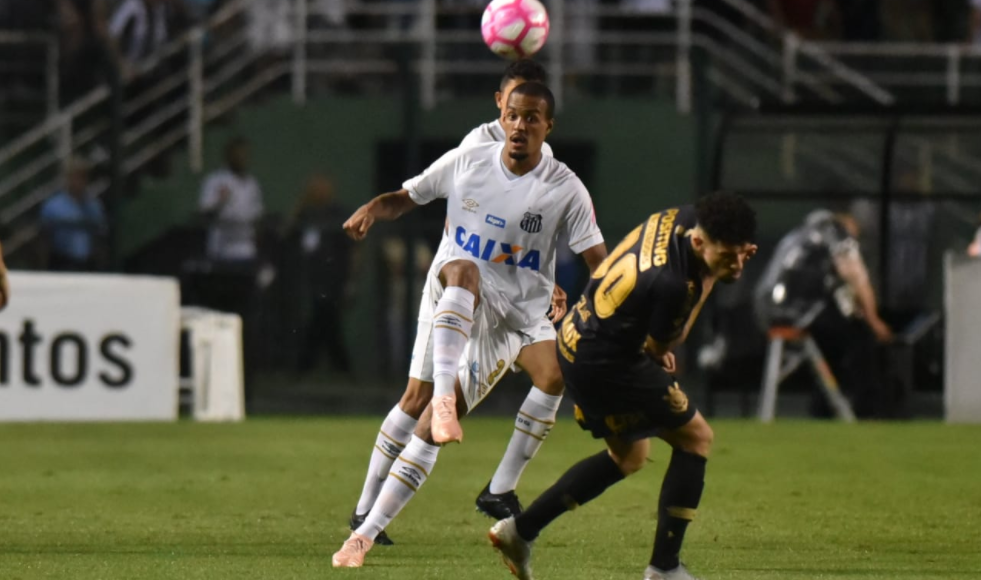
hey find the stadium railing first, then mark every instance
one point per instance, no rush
(211, 70)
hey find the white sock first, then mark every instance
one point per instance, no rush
(535, 419)
(396, 430)
(409, 472)
(451, 331)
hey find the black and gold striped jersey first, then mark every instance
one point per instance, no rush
(647, 286)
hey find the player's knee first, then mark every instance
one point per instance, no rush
(700, 440)
(416, 398)
(551, 383)
(628, 464)
(462, 273)
(630, 458)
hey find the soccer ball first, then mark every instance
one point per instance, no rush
(514, 28)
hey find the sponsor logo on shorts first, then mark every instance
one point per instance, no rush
(496, 221)
(677, 399)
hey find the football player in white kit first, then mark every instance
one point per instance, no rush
(497, 499)
(490, 287)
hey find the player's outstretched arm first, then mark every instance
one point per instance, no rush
(386, 207)
(4, 284)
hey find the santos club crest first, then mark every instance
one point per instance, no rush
(532, 223)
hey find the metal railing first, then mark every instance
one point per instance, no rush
(915, 72)
(212, 69)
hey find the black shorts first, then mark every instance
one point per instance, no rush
(632, 400)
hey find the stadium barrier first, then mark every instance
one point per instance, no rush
(87, 347)
(215, 388)
(962, 395)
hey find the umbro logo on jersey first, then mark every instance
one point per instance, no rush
(532, 223)
(470, 205)
(497, 252)
(496, 221)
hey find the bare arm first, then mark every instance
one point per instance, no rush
(386, 207)
(852, 270)
(594, 256)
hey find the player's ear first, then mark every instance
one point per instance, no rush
(551, 125)
(497, 99)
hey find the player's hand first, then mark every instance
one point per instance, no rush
(357, 225)
(559, 304)
(881, 330)
(667, 362)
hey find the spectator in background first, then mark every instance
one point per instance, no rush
(325, 273)
(817, 269)
(811, 19)
(907, 20)
(140, 28)
(974, 22)
(231, 201)
(74, 223)
(85, 47)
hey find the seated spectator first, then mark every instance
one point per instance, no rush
(85, 46)
(231, 200)
(817, 269)
(140, 28)
(908, 20)
(74, 224)
(975, 22)
(811, 19)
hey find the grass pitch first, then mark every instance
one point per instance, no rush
(270, 499)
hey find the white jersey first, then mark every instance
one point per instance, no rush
(493, 133)
(508, 226)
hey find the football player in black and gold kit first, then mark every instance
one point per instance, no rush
(615, 352)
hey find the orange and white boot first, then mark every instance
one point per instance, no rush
(446, 426)
(352, 553)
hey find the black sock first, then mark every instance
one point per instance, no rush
(583, 482)
(680, 494)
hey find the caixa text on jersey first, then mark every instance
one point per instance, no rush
(497, 252)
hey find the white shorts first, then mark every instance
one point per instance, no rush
(490, 352)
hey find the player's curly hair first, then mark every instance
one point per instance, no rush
(726, 218)
(526, 69)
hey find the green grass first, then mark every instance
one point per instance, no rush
(270, 499)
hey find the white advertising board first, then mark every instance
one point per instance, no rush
(88, 347)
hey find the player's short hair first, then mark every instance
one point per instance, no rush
(526, 69)
(726, 218)
(537, 90)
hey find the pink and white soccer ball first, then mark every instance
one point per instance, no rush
(515, 28)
